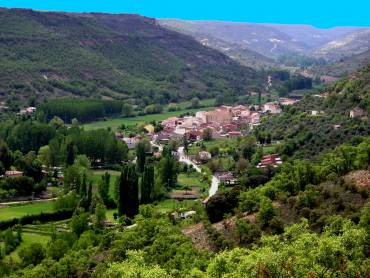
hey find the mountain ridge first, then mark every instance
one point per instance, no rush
(117, 56)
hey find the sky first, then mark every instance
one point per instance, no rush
(320, 13)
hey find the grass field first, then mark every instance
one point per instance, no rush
(116, 122)
(194, 179)
(22, 210)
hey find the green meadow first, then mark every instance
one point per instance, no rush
(17, 211)
(114, 123)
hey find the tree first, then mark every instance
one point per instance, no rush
(57, 248)
(70, 154)
(32, 254)
(266, 211)
(207, 134)
(147, 184)
(247, 232)
(89, 195)
(141, 155)
(103, 188)
(185, 143)
(79, 223)
(72, 178)
(167, 172)
(195, 102)
(100, 216)
(128, 195)
(5, 155)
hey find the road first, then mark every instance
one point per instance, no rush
(26, 202)
(215, 181)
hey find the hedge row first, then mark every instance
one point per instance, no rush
(42, 217)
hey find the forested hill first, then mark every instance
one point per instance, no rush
(304, 133)
(119, 56)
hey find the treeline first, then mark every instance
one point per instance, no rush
(83, 110)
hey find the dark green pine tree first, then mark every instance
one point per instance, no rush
(104, 188)
(121, 191)
(70, 154)
(128, 192)
(133, 196)
(82, 191)
(140, 156)
(89, 195)
(147, 184)
(185, 142)
(167, 171)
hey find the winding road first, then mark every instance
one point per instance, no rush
(215, 181)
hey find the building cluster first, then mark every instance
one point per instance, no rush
(270, 160)
(224, 122)
(27, 110)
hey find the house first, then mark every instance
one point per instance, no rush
(234, 134)
(357, 112)
(171, 122)
(316, 113)
(220, 115)
(28, 110)
(287, 101)
(226, 178)
(163, 138)
(271, 107)
(13, 174)
(240, 110)
(204, 156)
(131, 142)
(272, 159)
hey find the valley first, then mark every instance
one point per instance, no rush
(133, 146)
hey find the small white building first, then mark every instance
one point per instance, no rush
(357, 112)
(204, 156)
(130, 142)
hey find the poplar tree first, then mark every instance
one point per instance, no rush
(147, 184)
(140, 156)
(128, 192)
(104, 188)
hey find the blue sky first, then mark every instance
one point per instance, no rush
(320, 13)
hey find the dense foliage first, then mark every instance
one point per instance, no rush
(114, 56)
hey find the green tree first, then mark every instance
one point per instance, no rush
(128, 195)
(103, 188)
(167, 172)
(266, 211)
(100, 215)
(32, 254)
(141, 155)
(79, 223)
(195, 102)
(147, 185)
(207, 134)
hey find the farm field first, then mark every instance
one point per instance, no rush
(116, 122)
(16, 211)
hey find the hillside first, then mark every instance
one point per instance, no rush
(354, 43)
(263, 39)
(345, 66)
(291, 45)
(305, 135)
(114, 56)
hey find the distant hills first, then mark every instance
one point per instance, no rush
(275, 40)
(111, 56)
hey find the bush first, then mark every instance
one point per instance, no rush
(32, 254)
